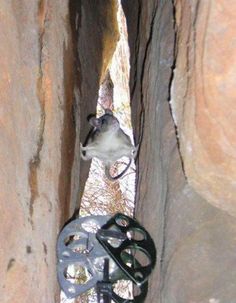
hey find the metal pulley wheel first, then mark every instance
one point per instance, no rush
(98, 251)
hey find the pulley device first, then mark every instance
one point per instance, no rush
(103, 251)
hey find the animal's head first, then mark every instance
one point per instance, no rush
(105, 123)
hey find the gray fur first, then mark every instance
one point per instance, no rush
(108, 142)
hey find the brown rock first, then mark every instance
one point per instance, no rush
(203, 98)
(36, 99)
(96, 38)
(40, 171)
(195, 241)
(39, 179)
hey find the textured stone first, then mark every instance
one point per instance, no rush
(203, 98)
(96, 38)
(40, 129)
(35, 158)
(150, 74)
(195, 240)
(177, 189)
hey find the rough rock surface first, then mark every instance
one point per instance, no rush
(185, 189)
(203, 98)
(36, 139)
(96, 37)
(43, 91)
(195, 240)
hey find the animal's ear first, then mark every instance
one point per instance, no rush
(95, 122)
(108, 111)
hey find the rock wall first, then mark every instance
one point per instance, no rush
(96, 35)
(53, 56)
(49, 80)
(195, 240)
(203, 98)
(36, 139)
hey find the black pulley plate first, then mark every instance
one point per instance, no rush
(90, 243)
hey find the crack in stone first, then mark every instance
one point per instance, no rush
(146, 52)
(175, 52)
(136, 50)
(165, 202)
(33, 167)
(34, 163)
(142, 111)
(11, 263)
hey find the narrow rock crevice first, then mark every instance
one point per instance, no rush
(175, 54)
(54, 56)
(136, 47)
(35, 161)
(143, 69)
(141, 114)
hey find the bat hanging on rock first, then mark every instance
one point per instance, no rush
(108, 142)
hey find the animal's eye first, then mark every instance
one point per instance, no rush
(104, 121)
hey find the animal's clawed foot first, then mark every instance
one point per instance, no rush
(82, 148)
(135, 151)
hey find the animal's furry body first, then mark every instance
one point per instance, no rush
(108, 142)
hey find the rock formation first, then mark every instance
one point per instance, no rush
(96, 35)
(186, 160)
(37, 144)
(41, 93)
(54, 55)
(203, 99)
